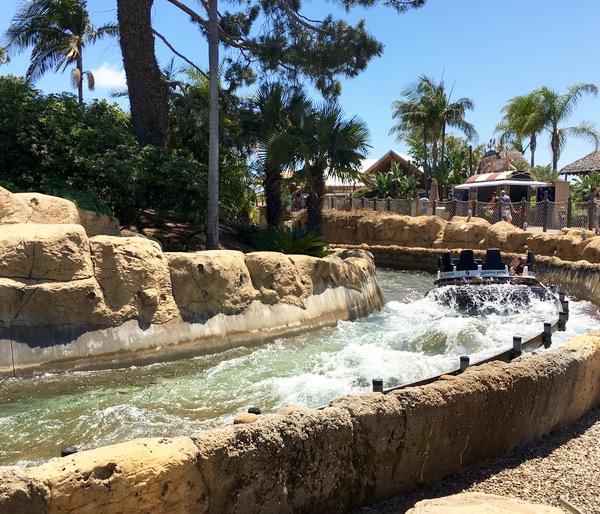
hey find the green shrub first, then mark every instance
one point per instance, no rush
(287, 240)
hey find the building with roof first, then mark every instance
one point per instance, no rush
(340, 188)
(499, 171)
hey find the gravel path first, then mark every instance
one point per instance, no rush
(565, 463)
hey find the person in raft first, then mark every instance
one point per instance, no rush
(517, 266)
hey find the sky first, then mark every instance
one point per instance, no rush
(488, 51)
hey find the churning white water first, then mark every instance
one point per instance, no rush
(411, 338)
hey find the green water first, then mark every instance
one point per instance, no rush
(412, 337)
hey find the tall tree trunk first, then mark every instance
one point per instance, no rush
(80, 78)
(314, 202)
(443, 142)
(147, 92)
(425, 161)
(555, 145)
(272, 185)
(532, 147)
(212, 223)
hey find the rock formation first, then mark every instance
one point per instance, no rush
(369, 228)
(69, 300)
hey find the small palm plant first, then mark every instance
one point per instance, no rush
(285, 240)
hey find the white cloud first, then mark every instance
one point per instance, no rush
(108, 77)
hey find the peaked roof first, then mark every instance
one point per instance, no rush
(385, 161)
(588, 164)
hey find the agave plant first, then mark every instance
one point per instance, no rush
(290, 241)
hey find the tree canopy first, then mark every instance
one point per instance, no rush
(266, 37)
(57, 31)
(426, 110)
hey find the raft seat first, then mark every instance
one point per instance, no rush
(466, 261)
(493, 260)
(445, 262)
(530, 260)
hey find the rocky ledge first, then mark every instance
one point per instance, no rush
(71, 300)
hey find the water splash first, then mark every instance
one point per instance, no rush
(411, 338)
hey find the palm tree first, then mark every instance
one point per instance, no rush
(556, 108)
(275, 106)
(584, 186)
(523, 118)
(427, 109)
(453, 115)
(545, 173)
(322, 143)
(58, 30)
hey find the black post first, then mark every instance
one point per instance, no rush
(378, 385)
(517, 347)
(464, 362)
(545, 213)
(375, 204)
(565, 307)
(569, 211)
(389, 204)
(547, 335)
(591, 215)
(562, 321)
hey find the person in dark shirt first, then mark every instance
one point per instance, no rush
(517, 266)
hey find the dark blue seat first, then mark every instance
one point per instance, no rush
(530, 260)
(466, 261)
(446, 262)
(493, 260)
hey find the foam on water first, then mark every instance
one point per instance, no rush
(413, 337)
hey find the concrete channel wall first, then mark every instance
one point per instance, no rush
(360, 449)
(73, 302)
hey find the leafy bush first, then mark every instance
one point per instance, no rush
(289, 241)
(88, 154)
(286, 240)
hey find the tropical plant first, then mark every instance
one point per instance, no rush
(274, 106)
(288, 240)
(584, 186)
(321, 143)
(556, 109)
(523, 118)
(426, 110)
(545, 173)
(288, 44)
(88, 153)
(58, 31)
(385, 185)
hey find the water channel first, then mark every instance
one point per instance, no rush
(411, 338)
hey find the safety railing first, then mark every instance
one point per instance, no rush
(543, 338)
(544, 214)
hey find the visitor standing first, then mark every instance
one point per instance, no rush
(504, 198)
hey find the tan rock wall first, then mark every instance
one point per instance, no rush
(359, 449)
(50, 210)
(433, 232)
(72, 302)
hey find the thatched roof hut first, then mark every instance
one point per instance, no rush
(588, 164)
